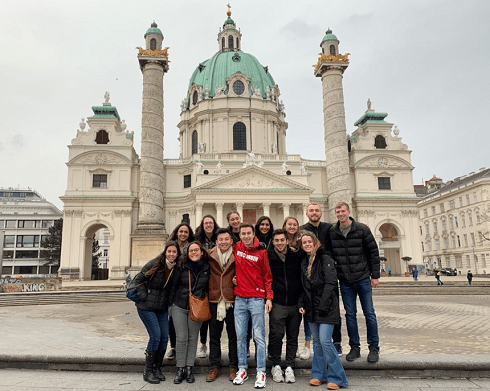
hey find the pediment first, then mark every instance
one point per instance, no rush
(382, 161)
(100, 158)
(254, 178)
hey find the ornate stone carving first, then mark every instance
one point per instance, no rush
(153, 53)
(253, 181)
(331, 58)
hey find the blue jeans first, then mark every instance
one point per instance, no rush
(246, 308)
(307, 329)
(326, 364)
(349, 295)
(156, 324)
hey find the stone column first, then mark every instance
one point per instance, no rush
(199, 207)
(266, 206)
(336, 153)
(239, 209)
(219, 213)
(305, 209)
(285, 208)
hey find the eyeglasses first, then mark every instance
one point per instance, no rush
(195, 250)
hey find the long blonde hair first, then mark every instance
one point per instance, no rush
(293, 241)
(316, 245)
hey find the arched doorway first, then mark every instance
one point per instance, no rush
(97, 253)
(391, 248)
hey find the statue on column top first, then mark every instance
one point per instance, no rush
(107, 97)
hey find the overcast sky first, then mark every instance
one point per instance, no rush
(425, 63)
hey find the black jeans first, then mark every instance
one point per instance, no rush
(171, 332)
(284, 319)
(204, 332)
(215, 330)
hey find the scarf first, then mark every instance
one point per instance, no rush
(223, 259)
(169, 264)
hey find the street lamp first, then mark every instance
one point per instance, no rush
(407, 259)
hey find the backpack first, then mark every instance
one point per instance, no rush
(131, 292)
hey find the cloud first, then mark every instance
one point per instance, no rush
(18, 141)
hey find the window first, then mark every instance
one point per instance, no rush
(467, 199)
(459, 261)
(8, 254)
(2, 223)
(446, 243)
(460, 201)
(477, 214)
(27, 241)
(238, 87)
(483, 261)
(106, 239)
(153, 44)
(102, 137)
(223, 43)
(451, 204)
(23, 254)
(25, 270)
(379, 142)
(194, 142)
(239, 137)
(384, 183)
(438, 245)
(429, 245)
(448, 262)
(99, 180)
(332, 50)
(106, 252)
(433, 210)
(237, 43)
(442, 208)
(47, 223)
(465, 238)
(195, 95)
(29, 224)
(427, 230)
(422, 246)
(444, 225)
(473, 243)
(456, 222)
(230, 42)
(459, 241)
(470, 218)
(425, 213)
(187, 181)
(421, 232)
(451, 223)
(468, 261)
(9, 241)
(475, 198)
(11, 224)
(453, 239)
(435, 226)
(463, 221)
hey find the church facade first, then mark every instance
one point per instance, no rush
(233, 156)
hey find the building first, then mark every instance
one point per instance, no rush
(25, 218)
(455, 222)
(233, 156)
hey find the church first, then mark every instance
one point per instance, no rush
(232, 134)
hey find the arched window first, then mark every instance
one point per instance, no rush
(223, 43)
(194, 142)
(379, 142)
(332, 50)
(153, 44)
(102, 137)
(239, 137)
(230, 42)
(194, 97)
(237, 43)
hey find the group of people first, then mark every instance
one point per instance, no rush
(247, 271)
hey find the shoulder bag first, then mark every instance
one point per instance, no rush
(198, 307)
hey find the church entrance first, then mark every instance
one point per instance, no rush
(391, 248)
(97, 253)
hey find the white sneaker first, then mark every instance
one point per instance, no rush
(297, 353)
(203, 352)
(277, 374)
(241, 377)
(260, 380)
(306, 354)
(289, 375)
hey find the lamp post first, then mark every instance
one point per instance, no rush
(407, 259)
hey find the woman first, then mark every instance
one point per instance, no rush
(234, 221)
(183, 235)
(206, 235)
(194, 265)
(291, 226)
(320, 304)
(263, 231)
(156, 284)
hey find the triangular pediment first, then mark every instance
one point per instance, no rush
(256, 179)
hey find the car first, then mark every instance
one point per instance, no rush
(447, 271)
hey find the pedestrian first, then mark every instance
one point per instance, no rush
(253, 290)
(263, 231)
(221, 299)
(357, 261)
(155, 284)
(415, 273)
(284, 318)
(389, 272)
(469, 276)
(437, 275)
(319, 303)
(193, 270)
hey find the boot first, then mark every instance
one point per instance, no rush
(179, 376)
(149, 373)
(189, 376)
(158, 365)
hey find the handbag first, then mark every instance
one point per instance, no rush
(198, 307)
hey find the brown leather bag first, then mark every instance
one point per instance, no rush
(198, 307)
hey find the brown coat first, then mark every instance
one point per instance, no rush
(221, 281)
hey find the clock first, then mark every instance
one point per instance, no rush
(382, 162)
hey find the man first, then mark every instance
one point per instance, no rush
(357, 262)
(221, 299)
(320, 229)
(285, 265)
(253, 286)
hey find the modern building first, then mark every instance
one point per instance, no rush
(455, 223)
(25, 219)
(233, 156)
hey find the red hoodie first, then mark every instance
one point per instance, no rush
(253, 274)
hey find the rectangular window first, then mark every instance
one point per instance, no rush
(29, 223)
(187, 181)
(425, 212)
(451, 223)
(106, 252)
(7, 270)
(48, 223)
(444, 227)
(477, 214)
(27, 240)
(25, 270)
(9, 241)
(2, 223)
(451, 204)
(475, 198)
(384, 183)
(459, 241)
(8, 254)
(422, 246)
(429, 245)
(467, 199)
(454, 241)
(435, 226)
(421, 232)
(438, 245)
(442, 208)
(465, 238)
(22, 254)
(11, 224)
(427, 229)
(473, 239)
(463, 221)
(468, 261)
(446, 243)
(483, 260)
(456, 222)
(433, 210)
(99, 180)
(470, 218)
(459, 261)
(460, 201)
(43, 269)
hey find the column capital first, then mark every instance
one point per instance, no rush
(266, 204)
(286, 204)
(239, 204)
(199, 205)
(219, 205)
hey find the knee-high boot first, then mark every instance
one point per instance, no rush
(149, 373)
(158, 365)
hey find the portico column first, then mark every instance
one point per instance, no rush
(199, 206)
(219, 213)
(239, 209)
(266, 206)
(305, 208)
(285, 208)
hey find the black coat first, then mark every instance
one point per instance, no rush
(199, 285)
(321, 232)
(356, 256)
(154, 295)
(320, 297)
(286, 279)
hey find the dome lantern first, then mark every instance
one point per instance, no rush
(229, 38)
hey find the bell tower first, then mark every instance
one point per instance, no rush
(330, 67)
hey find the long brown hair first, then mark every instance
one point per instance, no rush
(293, 242)
(160, 263)
(316, 245)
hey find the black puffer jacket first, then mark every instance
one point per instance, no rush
(321, 232)
(286, 279)
(199, 285)
(154, 295)
(357, 255)
(320, 297)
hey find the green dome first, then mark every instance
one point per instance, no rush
(228, 22)
(222, 65)
(154, 30)
(329, 36)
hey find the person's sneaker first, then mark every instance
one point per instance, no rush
(306, 354)
(203, 351)
(170, 354)
(339, 348)
(241, 377)
(353, 354)
(289, 375)
(297, 353)
(373, 355)
(260, 380)
(277, 374)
